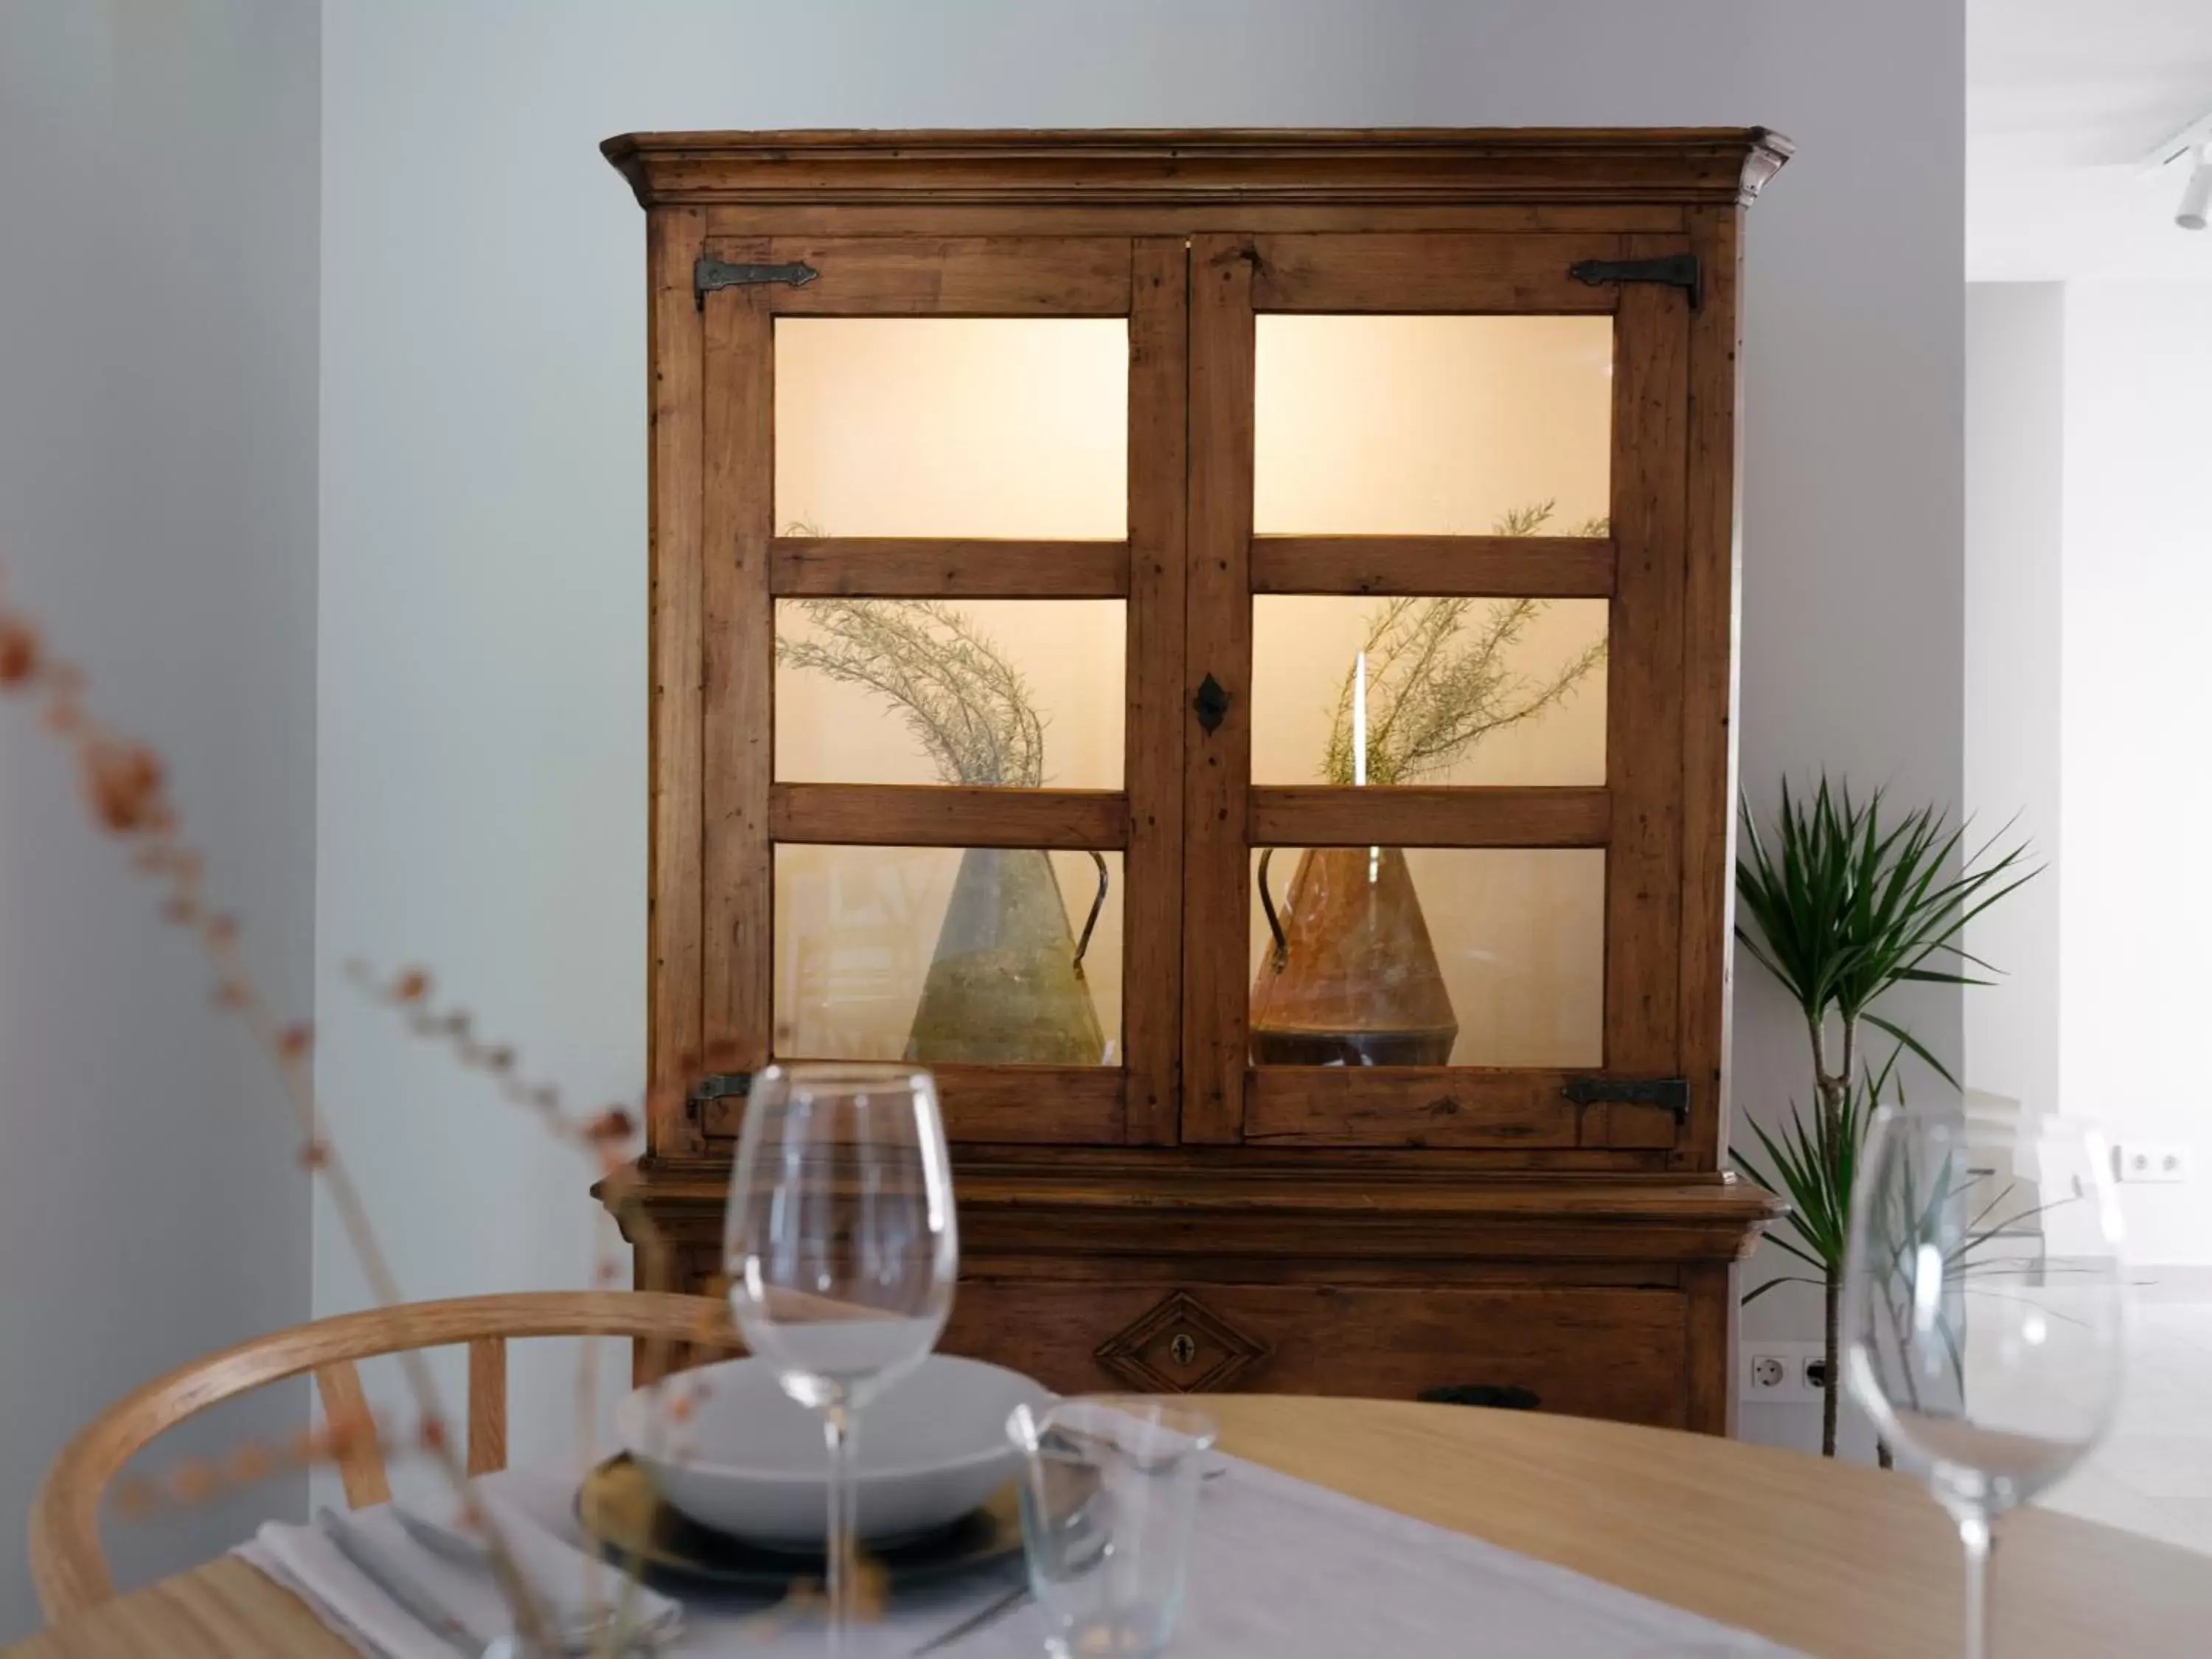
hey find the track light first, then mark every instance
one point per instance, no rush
(2197, 194)
(2191, 148)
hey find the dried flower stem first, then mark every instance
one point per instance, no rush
(1436, 688)
(606, 1136)
(126, 788)
(964, 701)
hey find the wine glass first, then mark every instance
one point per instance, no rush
(842, 1253)
(1974, 1348)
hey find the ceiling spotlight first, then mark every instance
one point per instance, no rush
(2189, 149)
(2197, 194)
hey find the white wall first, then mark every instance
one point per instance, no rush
(2136, 909)
(157, 508)
(2016, 417)
(482, 711)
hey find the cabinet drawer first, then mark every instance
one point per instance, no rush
(1587, 1352)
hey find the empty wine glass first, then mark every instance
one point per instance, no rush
(1974, 1347)
(842, 1253)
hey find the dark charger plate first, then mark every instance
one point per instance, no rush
(618, 1507)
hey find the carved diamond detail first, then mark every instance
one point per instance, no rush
(1180, 1346)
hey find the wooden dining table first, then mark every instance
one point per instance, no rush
(1836, 1560)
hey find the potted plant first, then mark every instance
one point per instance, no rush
(1841, 908)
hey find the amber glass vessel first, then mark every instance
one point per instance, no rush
(1352, 979)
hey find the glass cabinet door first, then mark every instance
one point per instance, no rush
(942, 609)
(1437, 510)
(1221, 689)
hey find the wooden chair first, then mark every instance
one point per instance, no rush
(67, 1565)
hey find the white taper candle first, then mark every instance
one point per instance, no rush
(1359, 719)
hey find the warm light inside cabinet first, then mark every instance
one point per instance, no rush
(1438, 426)
(1004, 426)
(867, 968)
(1305, 650)
(1514, 974)
(1067, 655)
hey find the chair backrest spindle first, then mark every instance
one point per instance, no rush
(360, 1455)
(487, 1405)
(67, 1563)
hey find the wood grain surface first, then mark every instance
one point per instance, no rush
(676, 638)
(1839, 1562)
(1479, 567)
(945, 567)
(1129, 1173)
(1152, 927)
(1623, 170)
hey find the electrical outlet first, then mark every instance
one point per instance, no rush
(2154, 1160)
(1780, 1373)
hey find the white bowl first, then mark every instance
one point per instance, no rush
(750, 1462)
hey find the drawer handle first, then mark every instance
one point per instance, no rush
(1498, 1397)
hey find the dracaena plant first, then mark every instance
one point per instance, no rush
(1842, 903)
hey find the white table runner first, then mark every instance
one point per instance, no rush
(1283, 1570)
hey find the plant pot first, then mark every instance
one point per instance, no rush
(1351, 979)
(1005, 984)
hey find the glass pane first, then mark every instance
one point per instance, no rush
(945, 955)
(1431, 956)
(1432, 426)
(1423, 691)
(1021, 692)
(952, 426)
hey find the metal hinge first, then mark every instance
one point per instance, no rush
(717, 1085)
(709, 273)
(1673, 269)
(1672, 1092)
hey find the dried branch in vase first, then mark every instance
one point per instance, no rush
(968, 705)
(1439, 677)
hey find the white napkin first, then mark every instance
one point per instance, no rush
(1281, 1568)
(575, 1590)
(449, 1566)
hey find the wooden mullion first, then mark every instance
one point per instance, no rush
(933, 815)
(1432, 274)
(1217, 764)
(1003, 1105)
(1644, 730)
(1709, 687)
(928, 567)
(1325, 815)
(1409, 1106)
(1153, 922)
(1479, 567)
(676, 624)
(738, 680)
(953, 277)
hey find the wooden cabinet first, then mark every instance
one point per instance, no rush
(1220, 645)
